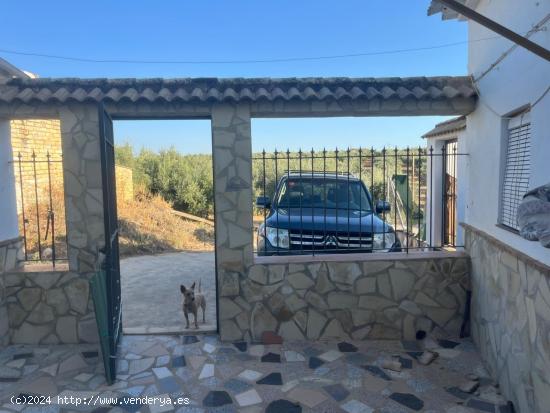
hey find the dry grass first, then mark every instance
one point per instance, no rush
(148, 227)
(31, 227)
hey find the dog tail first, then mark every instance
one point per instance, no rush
(200, 279)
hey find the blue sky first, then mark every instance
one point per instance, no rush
(240, 30)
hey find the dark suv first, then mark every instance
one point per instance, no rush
(323, 212)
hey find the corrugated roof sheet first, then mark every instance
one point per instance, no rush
(451, 125)
(234, 90)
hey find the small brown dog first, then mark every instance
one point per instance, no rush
(192, 302)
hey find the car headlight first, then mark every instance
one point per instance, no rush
(383, 241)
(276, 237)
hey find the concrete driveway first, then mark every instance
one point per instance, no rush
(151, 297)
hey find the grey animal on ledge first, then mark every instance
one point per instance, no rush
(534, 215)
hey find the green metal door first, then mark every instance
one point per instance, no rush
(106, 283)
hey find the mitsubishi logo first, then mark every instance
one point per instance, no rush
(331, 241)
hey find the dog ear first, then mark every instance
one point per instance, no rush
(182, 289)
(193, 286)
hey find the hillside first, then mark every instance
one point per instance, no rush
(147, 226)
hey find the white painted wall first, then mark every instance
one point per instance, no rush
(435, 188)
(520, 79)
(8, 203)
(434, 207)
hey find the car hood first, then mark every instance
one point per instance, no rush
(320, 219)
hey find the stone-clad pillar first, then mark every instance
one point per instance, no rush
(232, 158)
(83, 186)
(83, 210)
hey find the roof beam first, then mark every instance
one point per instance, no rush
(497, 28)
(9, 70)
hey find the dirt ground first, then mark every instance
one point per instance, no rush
(151, 297)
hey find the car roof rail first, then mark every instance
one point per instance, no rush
(310, 172)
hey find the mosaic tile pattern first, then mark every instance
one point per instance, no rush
(215, 377)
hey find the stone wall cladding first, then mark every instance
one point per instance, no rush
(511, 320)
(10, 256)
(79, 128)
(345, 300)
(84, 209)
(49, 307)
(83, 187)
(349, 299)
(232, 154)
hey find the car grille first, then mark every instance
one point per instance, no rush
(329, 240)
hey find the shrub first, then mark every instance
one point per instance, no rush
(185, 181)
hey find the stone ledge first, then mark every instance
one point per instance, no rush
(377, 256)
(40, 267)
(511, 250)
(174, 330)
(10, 241)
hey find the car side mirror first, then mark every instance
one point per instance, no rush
(263, 202)
(382, 206)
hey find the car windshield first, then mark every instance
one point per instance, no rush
(323, 193)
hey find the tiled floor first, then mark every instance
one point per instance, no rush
(222, 377)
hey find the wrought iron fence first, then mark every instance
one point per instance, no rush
(355, 200)
(40, 206)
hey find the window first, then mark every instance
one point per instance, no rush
(515, 182)
(321, 192)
